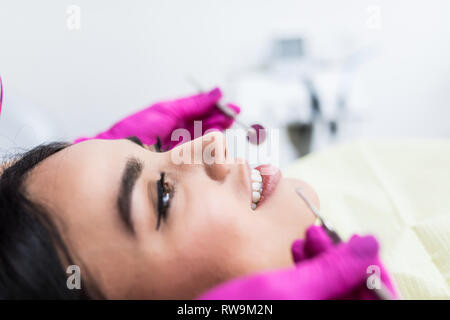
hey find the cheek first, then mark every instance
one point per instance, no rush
(210, 231)
(212, 218)
(206, 240)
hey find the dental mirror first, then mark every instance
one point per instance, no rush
(256, 133)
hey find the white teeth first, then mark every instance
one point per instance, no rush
(256, 176)
(257, 186)
(256, 196)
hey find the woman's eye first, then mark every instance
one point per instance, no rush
(166, 199)
(165, 194)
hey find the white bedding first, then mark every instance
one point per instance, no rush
(400, 192)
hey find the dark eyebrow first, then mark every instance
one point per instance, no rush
(131, 173)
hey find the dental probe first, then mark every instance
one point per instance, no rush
(382, 293)
(330, 232)
(255, 133)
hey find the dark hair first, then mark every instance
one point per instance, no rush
(31, 248)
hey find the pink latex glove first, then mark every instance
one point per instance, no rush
(317, 242)
(322, 271)
(160, 119)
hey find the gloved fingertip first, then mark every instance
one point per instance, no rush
(317, 234)
(315, 231)
(219, 121)
(223, 122)
(297, 250)
(215, 93)
(235, 108)
(366, 246)
(317, 241)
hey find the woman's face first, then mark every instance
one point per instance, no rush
(103, 196)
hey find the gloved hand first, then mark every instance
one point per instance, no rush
(317, 241)
(322, 271)
(160, 119)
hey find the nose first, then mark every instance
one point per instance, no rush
(208, 152)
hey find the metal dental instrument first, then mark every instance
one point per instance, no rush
(383, 292)
(256, 133)
(331, 233)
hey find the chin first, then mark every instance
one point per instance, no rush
(288, 211)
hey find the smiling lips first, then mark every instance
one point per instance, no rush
(264, 180)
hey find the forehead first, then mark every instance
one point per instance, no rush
(81, 167)
(79, 183)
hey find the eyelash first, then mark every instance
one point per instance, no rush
(165, 194)
(158, 145)
(136, 140)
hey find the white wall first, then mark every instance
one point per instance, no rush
(128, 54)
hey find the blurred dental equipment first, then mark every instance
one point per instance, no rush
(255, 133)
(382, 293)
(303, 86)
